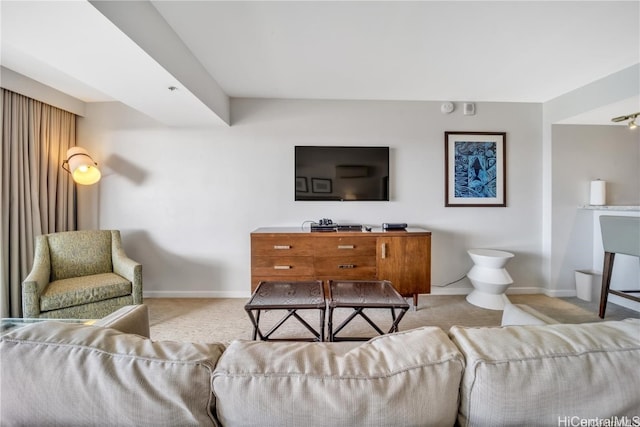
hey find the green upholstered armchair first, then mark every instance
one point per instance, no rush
(81, 275)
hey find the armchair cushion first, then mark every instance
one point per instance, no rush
(83, 253)
(82, 290)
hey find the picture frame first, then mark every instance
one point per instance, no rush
(475, 169)
(301, 184)
(320, 185)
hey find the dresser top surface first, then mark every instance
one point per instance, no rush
(374, 231)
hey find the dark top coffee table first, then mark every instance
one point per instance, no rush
(360, 294)
(290, 296)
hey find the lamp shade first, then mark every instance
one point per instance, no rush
(81, 166)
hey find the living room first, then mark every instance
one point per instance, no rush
(186, 197)
(193, 112)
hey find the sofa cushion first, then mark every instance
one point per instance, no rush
(545, 375)
(83, 290)
(407, 378)
(74, 374)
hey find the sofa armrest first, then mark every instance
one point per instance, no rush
(37, 279)
(70, 374)
(130, 319)
(535, 374)
(520, 314)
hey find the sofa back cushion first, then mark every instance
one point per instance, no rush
(549, 375)
(79, 253)
(407, 378)
(72, 374)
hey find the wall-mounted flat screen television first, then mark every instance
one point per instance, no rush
(341, 173)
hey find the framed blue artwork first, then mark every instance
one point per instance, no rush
(475, 169)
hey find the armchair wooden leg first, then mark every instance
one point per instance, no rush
(607, 269)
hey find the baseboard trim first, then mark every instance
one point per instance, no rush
(195, 294)
(559, 293)
(449, 291)
(523, 290)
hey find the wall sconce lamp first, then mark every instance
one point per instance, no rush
(81, 166)
(632, 124)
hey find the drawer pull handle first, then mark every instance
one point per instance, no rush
(346, 247)
(346, 266)
(383, 255)
(281, 246)
(281, 267)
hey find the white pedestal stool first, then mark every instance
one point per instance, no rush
(489, 278)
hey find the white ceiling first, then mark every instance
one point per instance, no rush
(505, 51)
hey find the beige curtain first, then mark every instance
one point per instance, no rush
(37, 195)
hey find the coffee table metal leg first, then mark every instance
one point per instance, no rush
(396, 321)
(356, 311)
(254, 321)
(317, 334)
(360, 311)
(343, 324)
(373, 325)
(277, 325)
(330, 324)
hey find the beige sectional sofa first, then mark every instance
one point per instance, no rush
(69, 374)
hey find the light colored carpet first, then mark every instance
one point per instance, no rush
(224, 319)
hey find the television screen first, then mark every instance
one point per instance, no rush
(341, 173)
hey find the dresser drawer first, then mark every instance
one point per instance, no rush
(337, 267)
(345, 246)
(284, 245)
(282, 266)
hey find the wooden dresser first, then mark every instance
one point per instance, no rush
(291, 254)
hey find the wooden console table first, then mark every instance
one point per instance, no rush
(292, 254)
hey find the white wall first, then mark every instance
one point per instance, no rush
(187, 199)
(611, 153)
(560, 252)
